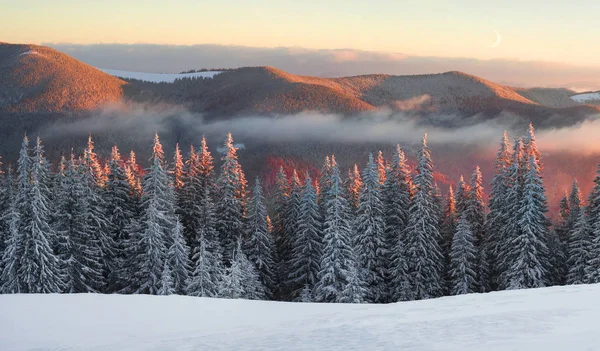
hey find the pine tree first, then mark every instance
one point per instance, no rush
(463, 259)
(157, 224)
(511, 229)
(447, 229)
(355, 291)
(95, 213)
(231, 199)
(132, 175)
(498, 215)
(9, 277)
(353, 186)
(179, 260)
(529, 256)
(307, 247)
(561, 241)
(381, 168)
(423, 253)
(120, 209)
(592, 267)
(338, 256)
(39, 270)
(280, 195)
(167, 287)
(241, 280)
(397, 193)
(370, 237)
(259, 245)
(208, 272)
(579, 250)
(463, 192)
(475, 214)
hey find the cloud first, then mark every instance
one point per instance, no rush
(327, 63)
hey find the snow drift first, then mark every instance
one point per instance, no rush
(557, 318)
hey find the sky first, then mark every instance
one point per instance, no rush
(531, 30)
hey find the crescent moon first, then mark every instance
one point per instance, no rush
(498, 40)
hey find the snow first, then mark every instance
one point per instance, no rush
(157, 77)
(30, 52)
(586, 97)
(558, 318)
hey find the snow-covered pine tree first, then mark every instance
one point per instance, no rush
(354, 183)
(475, 214)
(120, 210)
(381, 168)
(397, 193)
(463, 259)
(167, 286)
(231, 204)
(338, 256)
(157, 224)
(356, 290)
(307, 247)
(178, 256)
(280, 196)
(423, 253)
(370, 243)
(177, 171)
(561, 236)
(447, 230)
(498, 217)
(6, 198)
(78, 242)
(579, 250)
(290, 228)
(511, 229)
(463, 191)
(259, 244)
(39, 269)
(95, 214)
(241, 280)
(132, 175)
(592, 268)
(93, 164)
(208, 272)
(529, 255)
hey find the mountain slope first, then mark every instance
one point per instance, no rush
(558, 318)
(37, 79)
(40, 79)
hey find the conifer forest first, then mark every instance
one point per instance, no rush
(380, 232)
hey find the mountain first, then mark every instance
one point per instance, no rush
(36, 79)
(557, 318)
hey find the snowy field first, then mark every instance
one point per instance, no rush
(586, 97)
(560, 318)
(157, 77)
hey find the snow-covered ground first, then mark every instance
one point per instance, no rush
(157, 77)
(586, 97)
(559, 318)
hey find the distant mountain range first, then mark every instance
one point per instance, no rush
(38, 79)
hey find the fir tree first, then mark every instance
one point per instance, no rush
(241, 280)
(579, 250)
(39, 270)
(447, 229)
(498, 216)
(231, 199)
(157, 224)
(208, 271)
(463, 192)
(463, 260)
(381, 168)
(475, 214)
(353, 186)
(280, 195)
(179, 260)
(529, 254)
(120, 210)
(259, 244)
(370, 238)
(338, 256)
(397, 193)
(307, 246)
(422, 248)
(166, 281)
